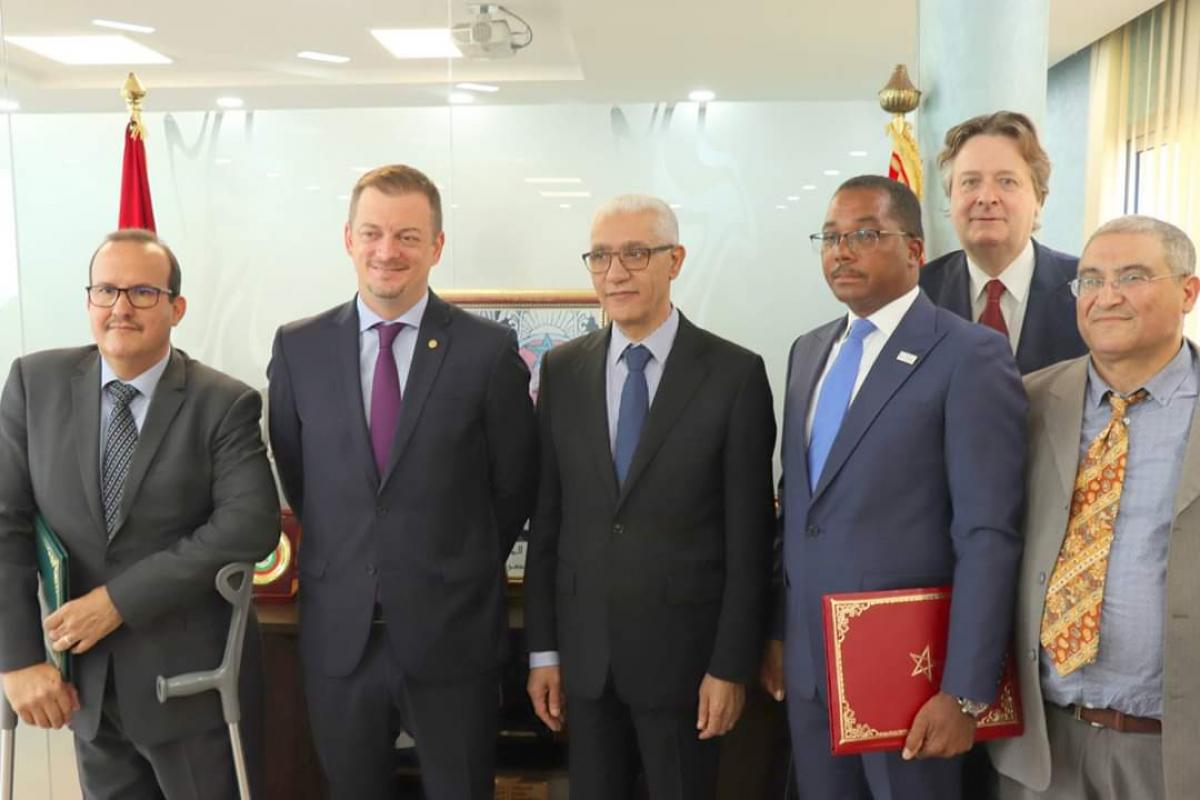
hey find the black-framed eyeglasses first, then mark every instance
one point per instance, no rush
(1122, 284)
(631, 258)
(103, 295)
(858, 241)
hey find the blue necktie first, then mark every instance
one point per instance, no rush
(835, 398)
(635, 404)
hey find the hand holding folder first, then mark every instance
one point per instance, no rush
(54, 569)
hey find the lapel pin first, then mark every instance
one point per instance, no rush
(433, 343)
(906, 357)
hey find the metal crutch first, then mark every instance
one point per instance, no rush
(8, 726)
(224, 679)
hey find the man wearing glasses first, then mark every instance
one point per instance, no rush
(150, 468)
(1107, 633)
(649, 547)
(903, 449)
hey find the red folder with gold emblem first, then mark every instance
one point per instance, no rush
(884, 655)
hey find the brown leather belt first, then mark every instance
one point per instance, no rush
(1115, 720)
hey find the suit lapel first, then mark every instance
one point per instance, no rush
(956, 291)
(1036, 329)
(1189, 476)
(168, 397)
(592, 402)
(806, 367)
(1064, 421)
(916, 335)
(85, 401)
(433, 340)
(682, 375)
(346, 349)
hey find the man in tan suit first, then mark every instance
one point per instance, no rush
(1107, 629)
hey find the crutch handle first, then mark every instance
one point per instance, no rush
(234, 582)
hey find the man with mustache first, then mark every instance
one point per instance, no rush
(902, 459)
(150, 467)
(404, 436)
(996, 176)
(1107, 633)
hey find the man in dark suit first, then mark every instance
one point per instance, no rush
(997, 178)
(151, 469)
(649, 549)
(902, 459)
(404, 436)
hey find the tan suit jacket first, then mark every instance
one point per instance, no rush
(1056, 397)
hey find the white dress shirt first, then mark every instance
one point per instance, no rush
(1016, 278)
(885, 320)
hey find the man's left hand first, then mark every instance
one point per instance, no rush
(940, 730)
(82, 622)
(721, 704)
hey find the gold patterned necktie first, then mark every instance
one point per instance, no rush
(1071, 620)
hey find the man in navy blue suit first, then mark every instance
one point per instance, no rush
(903, 452)
(996, 176)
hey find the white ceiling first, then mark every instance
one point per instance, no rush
(583, 50)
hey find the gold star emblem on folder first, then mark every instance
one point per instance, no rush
(922, 664)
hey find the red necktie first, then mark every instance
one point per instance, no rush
(991, 315)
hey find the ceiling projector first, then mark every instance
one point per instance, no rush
(489, 34)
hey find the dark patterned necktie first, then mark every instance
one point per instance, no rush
(118, 451)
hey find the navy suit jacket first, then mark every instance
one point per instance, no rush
(923, 487)
(429, 537)
(1049, 333)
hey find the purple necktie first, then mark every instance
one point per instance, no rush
(385, 395)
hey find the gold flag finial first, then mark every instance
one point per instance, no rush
(133, 92)
(898, 95)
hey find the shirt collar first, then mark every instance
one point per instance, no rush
(368, 319)
(887, 319)
(1016, 277)
(145, 383)
(1178, 377)
(658, 343)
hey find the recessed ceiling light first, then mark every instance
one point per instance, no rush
(272, 174)
(477, 87)
(360, 170)
(122, 26)
(7, 106)
(222, 161)
(328, 58)
(554, 180)
(782, 208)
(808, 187)
(564, 205)
(859, 153)
(565, 194)
(832, 172)
(702, 96)
(417, 42)
(461, 98)
(343, 197)
(676, 205)
(793, 198)
(82, 50)
(230, 102)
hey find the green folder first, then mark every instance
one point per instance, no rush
(53, 566)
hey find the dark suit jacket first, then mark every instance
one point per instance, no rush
(922, 487)
(199, 495)
(665, 579)
(1056, 399)
(1049, 333)
(430, 535)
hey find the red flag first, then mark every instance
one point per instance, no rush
(136, 209)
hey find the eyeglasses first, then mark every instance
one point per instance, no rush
(1122, 284)
(631, 258)
(104, 296)
(859, 241)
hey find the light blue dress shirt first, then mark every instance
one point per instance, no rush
(403, 347)
(659, 344)
(145, 383)
(1128, 672)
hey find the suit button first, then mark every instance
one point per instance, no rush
(1032, 655)
(371, 569)
(618, 529)
(381, 511)
(1041, 578)
(813, 530)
